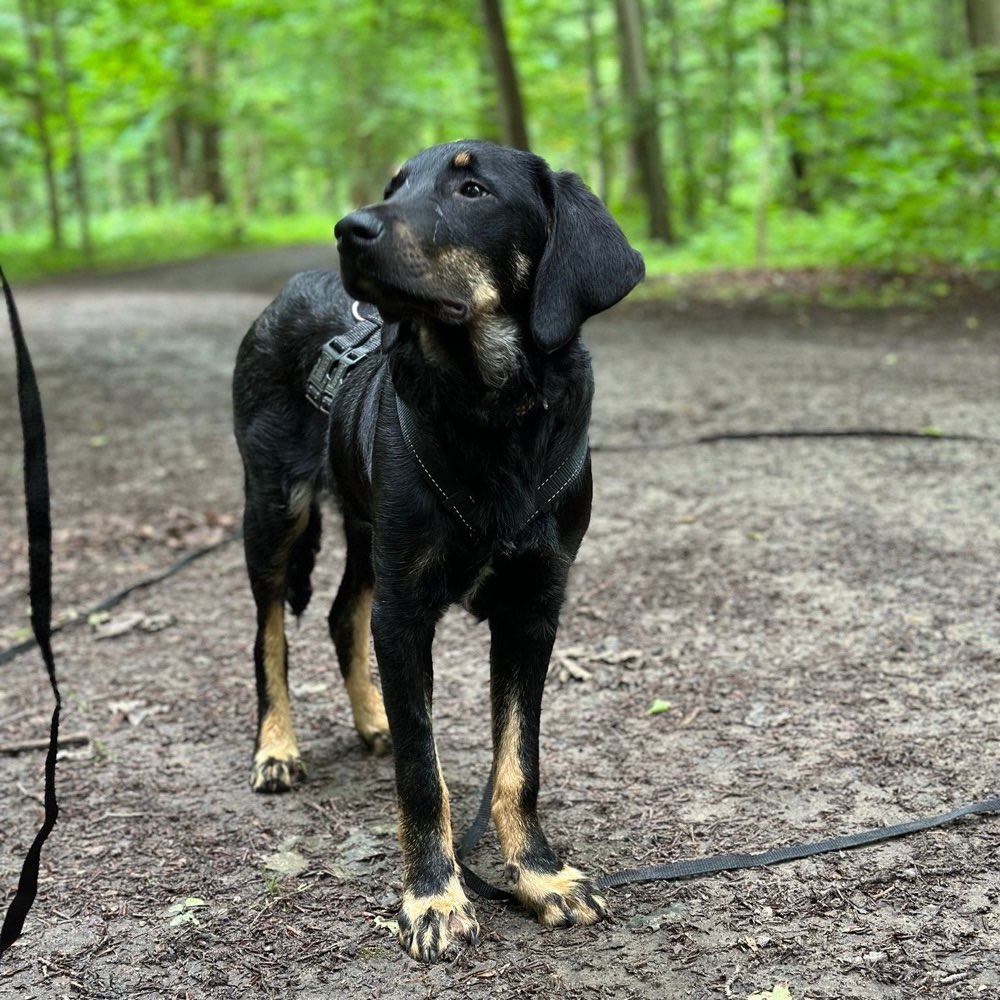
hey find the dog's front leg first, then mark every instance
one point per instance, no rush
(435, 916)
(523, 627)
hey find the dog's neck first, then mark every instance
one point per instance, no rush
(478, 373)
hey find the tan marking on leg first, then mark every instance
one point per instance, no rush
(366, 699)
(277, 764)
(508, 785)
(557, 899)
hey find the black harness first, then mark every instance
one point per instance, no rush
(341, 353)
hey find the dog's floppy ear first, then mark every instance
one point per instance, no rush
(587, 265)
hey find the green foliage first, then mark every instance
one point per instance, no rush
(312, 104)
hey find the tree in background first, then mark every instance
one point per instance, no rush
(643, 120)
(36, 97)
(828, 129)
(983, 20)
(513, 129)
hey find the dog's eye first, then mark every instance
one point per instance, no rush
(394, 185)
(470, 189)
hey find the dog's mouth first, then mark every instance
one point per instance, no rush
(396, 302)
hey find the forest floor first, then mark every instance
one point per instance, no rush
(819, 613)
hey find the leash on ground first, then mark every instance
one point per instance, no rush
(36, 493)
(116, 598)
(673, 870)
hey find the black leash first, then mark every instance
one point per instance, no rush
(673, 870)
(36, 494)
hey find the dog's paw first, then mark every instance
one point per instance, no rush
(273, 774)
(370, 719)
(378, 741)
(561, 900)
(432, 926)
(373, 728)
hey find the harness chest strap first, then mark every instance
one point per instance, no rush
(461, 503)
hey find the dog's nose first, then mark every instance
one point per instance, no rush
(359, 227)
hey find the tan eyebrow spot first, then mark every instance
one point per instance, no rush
(463, 158)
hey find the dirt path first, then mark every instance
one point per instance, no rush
(821, 615)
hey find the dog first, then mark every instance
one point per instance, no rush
(457, 453)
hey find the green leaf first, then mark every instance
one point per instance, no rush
(658, 706)
(780, 992)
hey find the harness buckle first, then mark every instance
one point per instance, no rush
(338, 356)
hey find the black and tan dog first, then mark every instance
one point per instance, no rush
(458, 455)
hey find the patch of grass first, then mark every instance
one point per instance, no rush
(152, 236)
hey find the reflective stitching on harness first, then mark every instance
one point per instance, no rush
(427, 473)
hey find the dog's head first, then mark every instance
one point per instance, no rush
(486, 238)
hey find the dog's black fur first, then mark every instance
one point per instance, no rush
(484, 264)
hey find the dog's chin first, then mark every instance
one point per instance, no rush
(398, 304)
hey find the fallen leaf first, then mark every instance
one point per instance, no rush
(779, 992)
(285, 863)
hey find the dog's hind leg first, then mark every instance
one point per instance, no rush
(281, 536)
(350, 629)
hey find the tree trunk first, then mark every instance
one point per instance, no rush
(39, 113)
(177, 143)
(724, 141)
(150, 160)
(512, 124)
(76, 169)
(793, 15)
(766, 147)
(982, 18)
(602, 151)
(690, 187)
(644, 131)
(205, 77)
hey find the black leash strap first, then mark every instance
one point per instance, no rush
(734, 862)
(718, 863)
(36, 493)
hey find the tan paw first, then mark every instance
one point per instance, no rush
(375, 733)
(370, 720)
(431, 926)
(273, 774)
(561, 900)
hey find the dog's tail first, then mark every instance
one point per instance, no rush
(301, 561)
